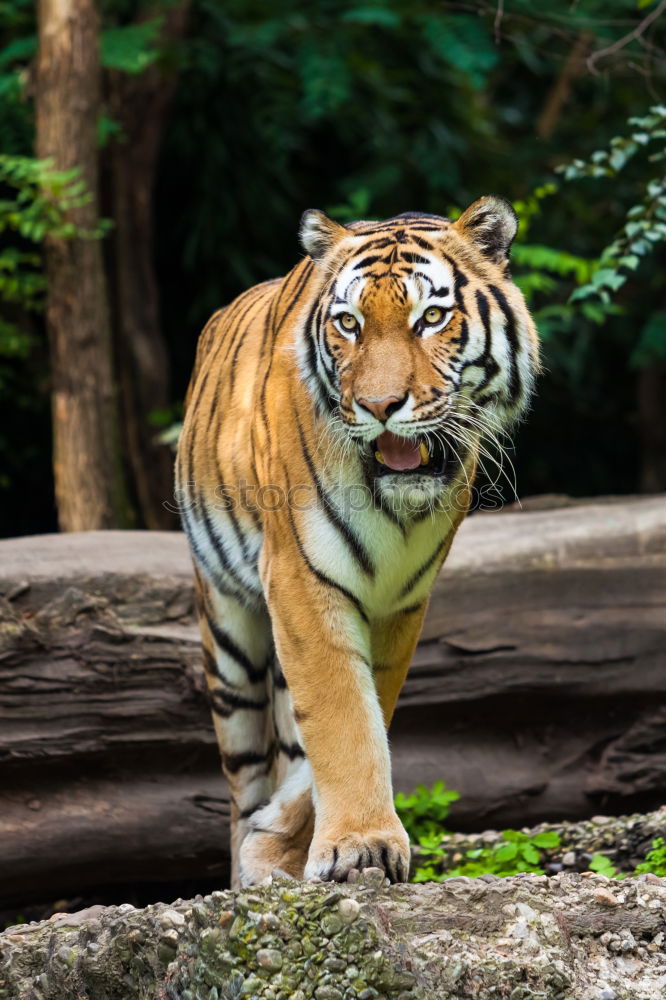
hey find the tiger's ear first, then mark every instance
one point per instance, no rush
(491, 225)
(319, 234)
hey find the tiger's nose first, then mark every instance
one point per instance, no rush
(382, 408)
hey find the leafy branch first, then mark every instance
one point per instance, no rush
(645, 223)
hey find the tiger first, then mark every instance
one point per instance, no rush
(333, 428)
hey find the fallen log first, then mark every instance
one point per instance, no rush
(537, 692)
(564, 938)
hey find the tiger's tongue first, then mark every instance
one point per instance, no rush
(399, 453)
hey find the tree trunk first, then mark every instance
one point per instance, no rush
(88, 473)
(139, 104)
(652, 426)
(565, 938)
(537, 692)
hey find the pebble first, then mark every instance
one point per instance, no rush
(328, 993)
(353, 876)
(569, 859)
(605, 896)
(279, 873)
(372, 877)
(269, 959)
(349, 910)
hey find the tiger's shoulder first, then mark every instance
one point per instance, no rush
(228, 319)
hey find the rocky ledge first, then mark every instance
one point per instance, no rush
(567, 937)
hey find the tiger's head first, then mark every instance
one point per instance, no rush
(418, 341)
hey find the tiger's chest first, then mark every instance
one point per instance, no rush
(386, 564)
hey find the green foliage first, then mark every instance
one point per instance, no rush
(655, 860)
(41, 200)
(603, 866)
(131, 48)
(374, 107)
(644, 226)
(654, 863)
(423, 812)
(514, 854)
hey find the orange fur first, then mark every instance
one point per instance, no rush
(311, 608)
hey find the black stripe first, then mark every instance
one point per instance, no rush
(485, 359)
(295, 296)
(232, 365)
(413, 258)
(246, 813)
(381, 503)
(411, 608)
(512, 338)
(367, 261)
(234, 652)
(221, 553)
(463, 336)
(424, 244)
(225, 703)
(415, 577)
(279, 680)
(190, 426)
(292, 750)
(358, 550)
(221, 585)
(326, 580)
(233, 762)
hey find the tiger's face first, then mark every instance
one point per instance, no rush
(419, 341)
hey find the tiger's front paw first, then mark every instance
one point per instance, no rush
(332, 857)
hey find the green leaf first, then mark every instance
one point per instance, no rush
(531, 855)
(549, 838)
(506, 852)
(600, 863)
(372, 15)
(21, 49)
(131, 48)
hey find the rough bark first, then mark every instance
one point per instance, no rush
(88, 474)
(565, 938)
(140, 104)
(537, 692)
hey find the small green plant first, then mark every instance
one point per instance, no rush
(423, 812)
(655, 859)
(602, 865)
(514, 854)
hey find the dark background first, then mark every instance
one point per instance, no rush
(369, 110)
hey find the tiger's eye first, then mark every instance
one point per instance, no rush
(433, 315)
(348, 322)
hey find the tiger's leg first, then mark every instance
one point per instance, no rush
(323, 642)
(394, 640)
(280, 833)
(238, 651)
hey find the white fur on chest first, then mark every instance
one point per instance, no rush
(395, 557)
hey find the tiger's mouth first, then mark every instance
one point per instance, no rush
(419, 456)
